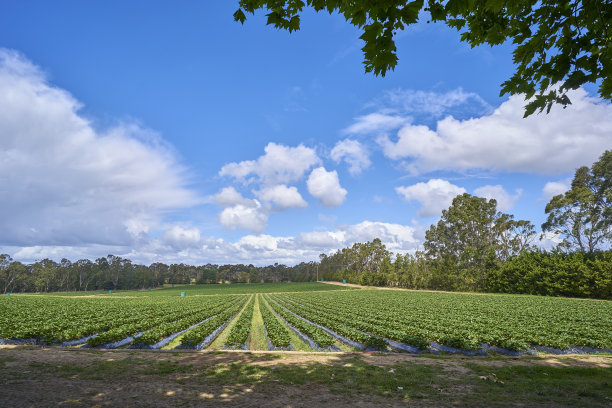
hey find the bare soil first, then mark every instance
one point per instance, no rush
(37, 376)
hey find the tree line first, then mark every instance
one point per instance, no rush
(473, 247)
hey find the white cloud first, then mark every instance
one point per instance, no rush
(321, 239)
(179, 237)
(63, 182)
(397, 237)
(185, 245)
(549, 240)
(553, 188)
(279, 164)
(325, 186)
(281, 197)
(400, 107)
(266, 249)
(434, 196)
(504, 141)
(434, 104)
(375, 123)
(228, 197)
(505, 201)
(353, 153)
(252, 218)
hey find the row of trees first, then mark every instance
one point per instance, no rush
(114, 272)
(473, 247)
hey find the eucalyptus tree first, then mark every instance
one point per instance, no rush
(472, 236)
(583, 214)
(10, 272)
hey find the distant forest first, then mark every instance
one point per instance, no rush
(473, 247)
(531, 272)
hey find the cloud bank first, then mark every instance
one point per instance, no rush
(505, 142)
(64, 182)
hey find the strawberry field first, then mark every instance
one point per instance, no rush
(302, 318)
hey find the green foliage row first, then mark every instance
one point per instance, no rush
(555, 274)
(317, 335)
(198, 334)
(59, 319)
(241, 330)
(276, 331)
(355, 324)
(336, 323)
(179, 315)
(462, 320)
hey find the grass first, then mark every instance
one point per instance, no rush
(432, 381)
(297, 343)
(219, 342)
(257, 338)
(532, 385)
(351, 377)
(207, 289)
(4, 360)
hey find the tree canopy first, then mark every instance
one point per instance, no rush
(471, 234)
(560, 45)
(583, 214)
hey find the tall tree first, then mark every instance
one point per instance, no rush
(10, 272)
(470, 234)
(557, 42)
(583, 214)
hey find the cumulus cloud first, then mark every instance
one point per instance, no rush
(553, 188)
(504, 141)
(228, 197)
(353, 153)
(505, 200)
(64, 182)
(434, 196)
(179, 237)
(400, 107)
(265, 249)
(549, 240)
(251, 217)
(325, 186)
(321, 239)
(281, 197)
(186, 245)
(279, 165)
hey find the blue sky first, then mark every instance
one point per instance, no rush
(167, 132)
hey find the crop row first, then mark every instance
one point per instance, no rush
(318, 335)
(198, 335)
(58, 319)
(276, 331)
(465, 321)
(337, 323)
(163, 325)
(241, 330)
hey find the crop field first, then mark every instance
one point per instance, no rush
(308, 317)
(222, 289)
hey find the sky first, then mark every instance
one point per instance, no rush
(166, 132)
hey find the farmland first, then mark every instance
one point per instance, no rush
(308, 317)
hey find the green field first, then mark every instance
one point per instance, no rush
(307, 317)
(215, 289)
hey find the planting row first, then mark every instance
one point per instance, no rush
(59, 320)
(362, 318)
(458, 320)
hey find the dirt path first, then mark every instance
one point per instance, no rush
(36, 376)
